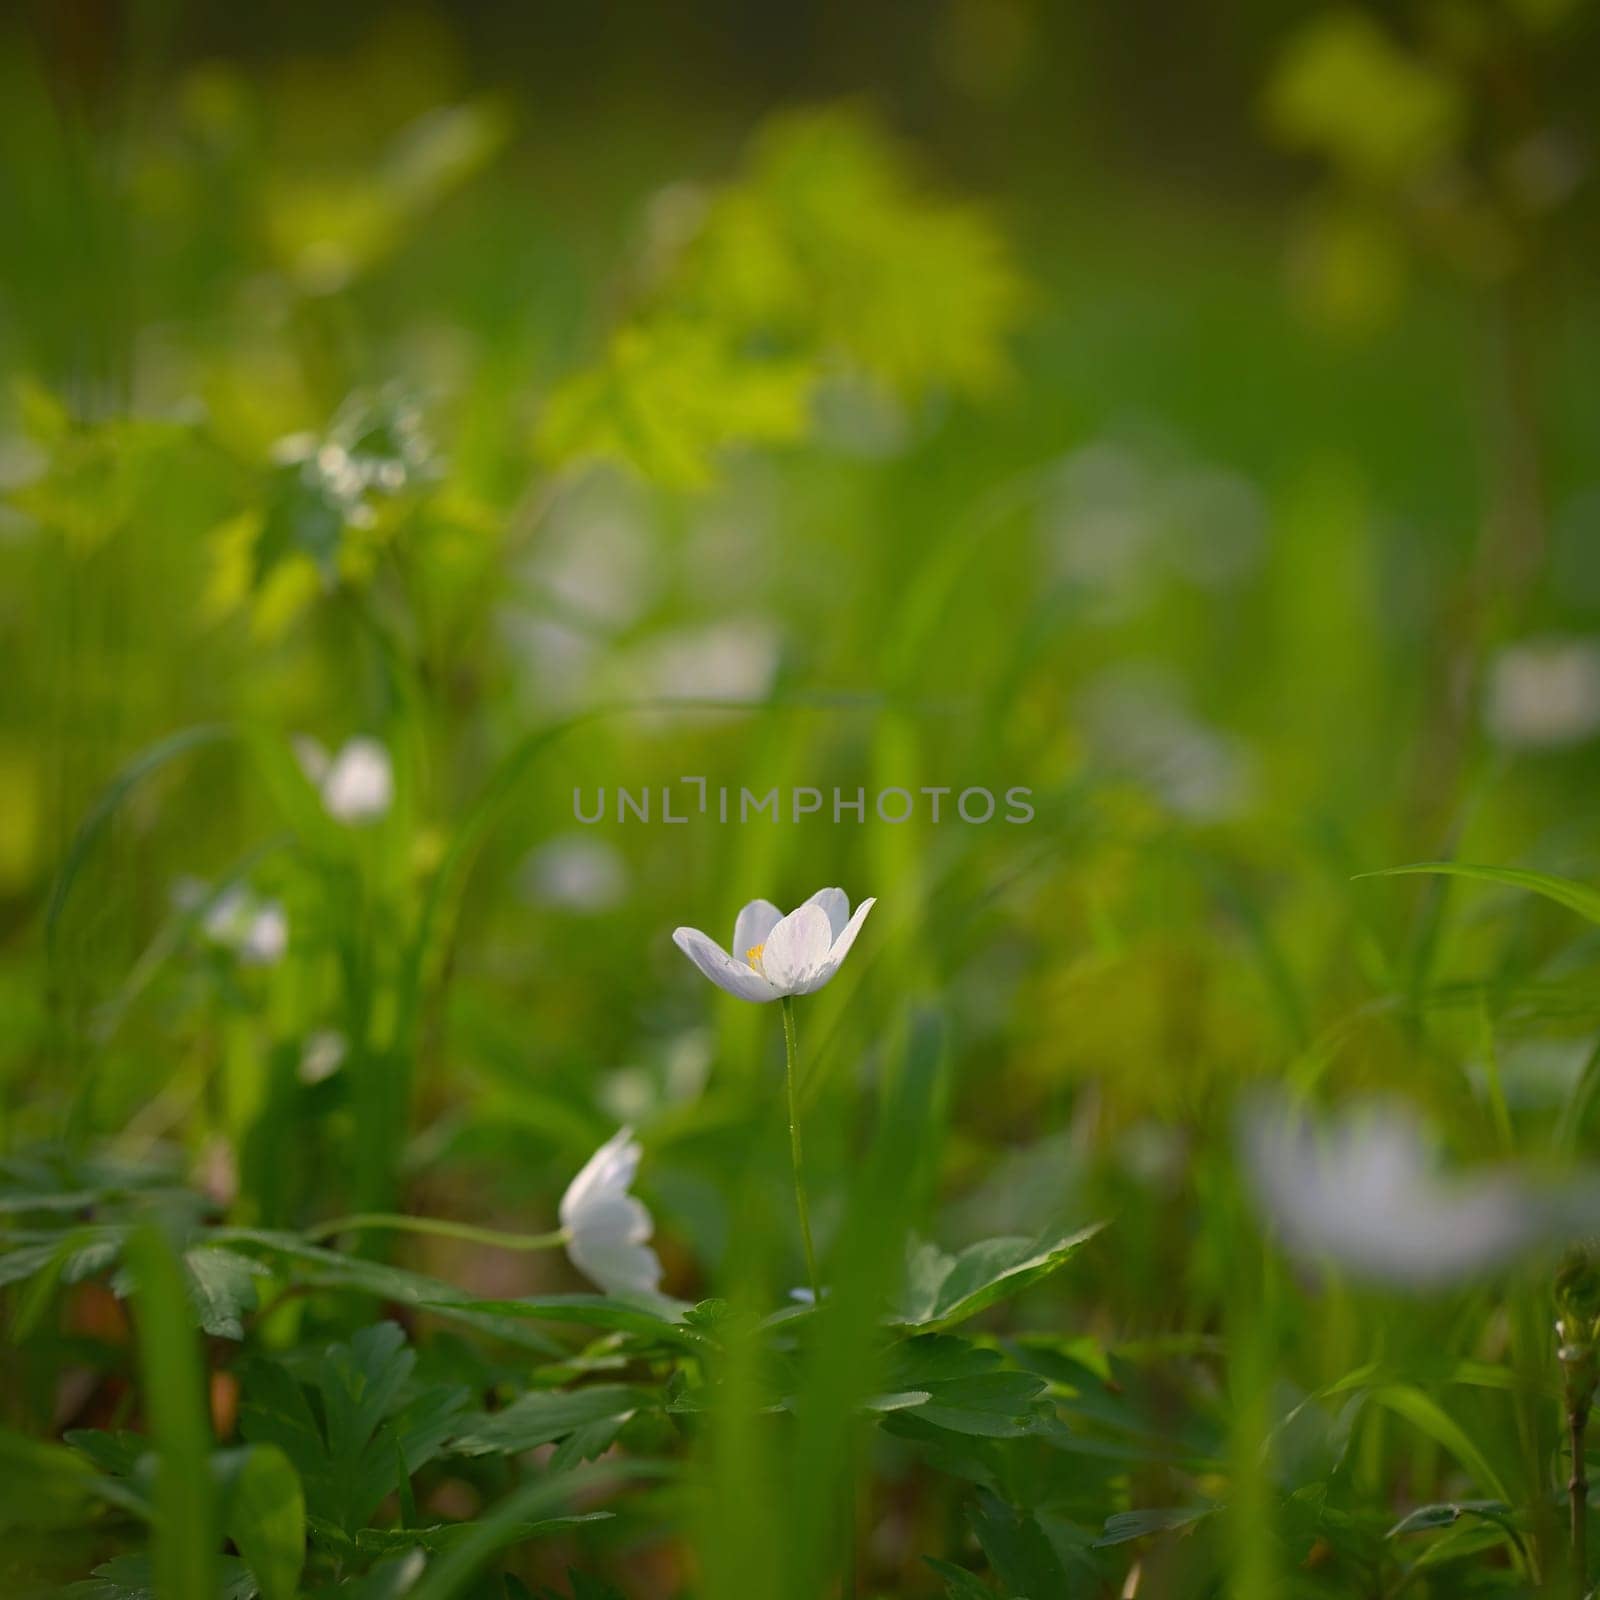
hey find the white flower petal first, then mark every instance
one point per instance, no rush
(608, 1171)
(737, 977)
(797, 948)
(614, 1217)
(840, 947)
(837, 904)
(617, 1267)
(752, 926)
(1364, 1194)
(267, 936)
(608, 1229)
(359, 786)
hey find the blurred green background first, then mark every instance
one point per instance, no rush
(1186, 413)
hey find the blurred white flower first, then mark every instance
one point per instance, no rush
(733, 660)
(357, 785)
(1136, 720)
(257, 931)
(1543, 693)
(577, 874)
(1363, 1193)
(597, 562)
(777, 955)
(322, 1055)
(608, 1230)
(1127, 512)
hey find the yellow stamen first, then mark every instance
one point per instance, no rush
(753, 955)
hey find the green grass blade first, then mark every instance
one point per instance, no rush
(1566, 892)
(172, 1383)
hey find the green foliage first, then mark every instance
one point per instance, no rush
(305, 366)
(1345, 89)
(351, 1424)
(823, 254)
(943, 1290)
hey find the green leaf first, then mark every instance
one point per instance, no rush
(390, 1579)
(264, 1514)
(447, 1535)
(959, 1584)
(329, 1269)
(593, 1311)
(222, 1289)
(1566, 892)
(115, 1453)
(133, 1578)
(46, 1484)
(542, 1416)
(1125, 1526)
(669, 396)
(1426, 1414)
(1426, 1519)
(943, 1290)
(969, 1390)
(456, 1568)
(344, 1447)
(1018, 1549)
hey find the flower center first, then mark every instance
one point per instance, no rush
(753, 956)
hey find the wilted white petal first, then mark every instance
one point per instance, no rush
(737, 977)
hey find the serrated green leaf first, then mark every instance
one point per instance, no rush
(1125, 1526)
(344, 1447)
(592, 1311)
(447, 1535)
(943, 1290)
(1445, 1515)
(132, 1578)
(542, 1416)
(222, 1289)
(329, 1269)
(1018, 1549)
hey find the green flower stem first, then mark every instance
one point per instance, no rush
(791, 1052)
(1578, 1496)
(439, 1228)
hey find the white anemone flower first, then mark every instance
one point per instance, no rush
(357, 784)
(257, 931)
(776, 955)
(608, 1230)
(1364, 1194)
